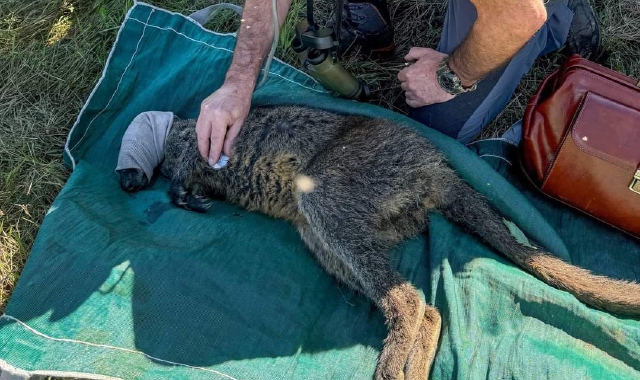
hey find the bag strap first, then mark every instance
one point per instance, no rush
(204, 15)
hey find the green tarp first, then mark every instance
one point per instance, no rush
(128, 286)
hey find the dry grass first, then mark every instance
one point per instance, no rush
(52, 53)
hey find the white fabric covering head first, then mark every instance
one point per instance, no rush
(143, 142)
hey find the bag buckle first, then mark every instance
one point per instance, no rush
(635, 183)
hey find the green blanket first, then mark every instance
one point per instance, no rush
(128, 286)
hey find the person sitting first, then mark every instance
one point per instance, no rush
(486, 47)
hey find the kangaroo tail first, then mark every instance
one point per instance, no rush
(473, 212)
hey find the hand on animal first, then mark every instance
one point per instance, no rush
(419, 80)
(221, 117)
(329, 175)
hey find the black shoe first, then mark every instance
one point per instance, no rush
(584, 32)
(366, 24)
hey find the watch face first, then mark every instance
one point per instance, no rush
(447, 82)
(446, 79)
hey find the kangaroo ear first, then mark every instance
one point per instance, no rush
(132, 180)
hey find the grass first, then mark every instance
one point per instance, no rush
(53, 51)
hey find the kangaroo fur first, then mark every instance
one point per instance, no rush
(355, 187)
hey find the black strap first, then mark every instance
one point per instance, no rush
(338, 22)
(338, 25)
(312, 23)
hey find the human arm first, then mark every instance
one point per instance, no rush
(223, 112)
(501, 29)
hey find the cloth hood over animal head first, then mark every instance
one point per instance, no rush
(143, 142)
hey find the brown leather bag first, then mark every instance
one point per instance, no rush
(581, 142)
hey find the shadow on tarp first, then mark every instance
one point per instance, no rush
(196, 289)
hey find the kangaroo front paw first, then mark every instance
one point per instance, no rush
(192, 198)
(132, 180)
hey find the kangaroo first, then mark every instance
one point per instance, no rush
(354, 187)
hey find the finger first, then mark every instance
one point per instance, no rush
(411, 96)
(230, 139)
(203, 131)
(402, 75)
(416, 53)
(414, 103)
(218, 132)
(405, 86)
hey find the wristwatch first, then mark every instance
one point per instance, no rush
(449, 81)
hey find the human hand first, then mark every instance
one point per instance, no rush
(419, 81)
(221, 117)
